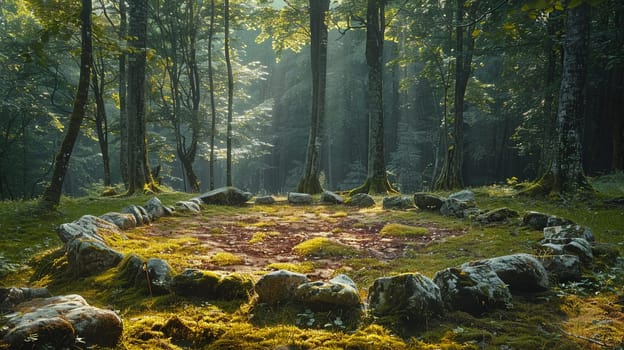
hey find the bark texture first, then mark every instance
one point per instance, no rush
(230, 91)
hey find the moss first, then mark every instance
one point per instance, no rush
(400, 230)
(226, 259)
(304, 267)
(324, 247)
(260, 236)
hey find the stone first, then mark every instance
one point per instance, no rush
(225, 196)
(398, 202)
(563, 268)
(88, 258)
(188, 206)
(139, 213)
(521, 272)
(279, 287)
(124, 221)
(463, 196)
(428, 201)
(329, 197)
(9, 297)
(473, 289)
(299, 198)
(88, 226)
(360, 200)
(409, 296)
(455, 207)
(160, 276)
(535, 220)
(557, 221)
(265, 200)
(235, 286)
(575, 246)
(155, 209)
(496, 215)
(196, 283)
(338, 293)
(61, 322)
(568, 231)
(132, 272)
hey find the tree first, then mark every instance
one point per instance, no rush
(213, 109)
(139, 172)
(310, 182)
(377, 179)
(230, 91)
(123, 89)
(565, 174)
(52, 194)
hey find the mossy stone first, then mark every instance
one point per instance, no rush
(196, 283)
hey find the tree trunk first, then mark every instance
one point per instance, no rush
(101, 120)
(52, 194)
(310, 182)
(566, 172)
(230, 91)
(213, 110)
(123, 115)
(451, 176)
(139, 174)
(377, 179)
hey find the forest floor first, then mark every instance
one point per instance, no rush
(360, 243)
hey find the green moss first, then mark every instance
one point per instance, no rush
(260, 236)
(400, 230)
(226, 259)
(304, 267)
(324, 247)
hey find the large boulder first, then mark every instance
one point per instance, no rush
(265, 200)
(521, 272)
(398, 202)
(473, 289)
(497, 215)
(338, 293)
(140, 214)
(9, 297)
(211, 285)
(563, 268)
(574, 246)
(225, 196)
(329, 197)
(455, 207)
(463, 196)
(188, 206)
(156, 209)
(428, 201)
(124, 221)
(299, 198)
(60, 322)
(361, 200)
(410, 296)
(160, 275)
(88, 257)
(279, 287)
(89, 227)
(568, 231)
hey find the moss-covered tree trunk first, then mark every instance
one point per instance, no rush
(310, 182)
(230, 91)
(377, 179)
(566, 171)
(213, 108)
(52, 194)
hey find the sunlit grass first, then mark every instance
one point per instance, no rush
(324, 247)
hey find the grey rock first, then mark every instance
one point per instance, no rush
(398, 202)
(535, 220)
(563, 268)
(574, 246)
(265, 200)
(279, 287)
(339, 293)
(9, 297)
(57, 322)
(428, 201)
(568, 231)
(160, 276)
(155, 209)
(521, 272)
(88, 258)
(409, 296)
(225, 196)
(473, 289)
(196, 283)
(188, 206)
(299, 198)
(89, 227)
(496, 215)
(455, 207)
(131, 270)
(463, 196)
(557, 221)
(139, 213)
(329, 197)
(361, 200)
(124, 221)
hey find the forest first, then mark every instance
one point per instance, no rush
(283, 94)
(321, 174)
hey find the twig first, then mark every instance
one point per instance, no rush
(598, 342)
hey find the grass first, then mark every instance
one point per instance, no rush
(559, 319)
